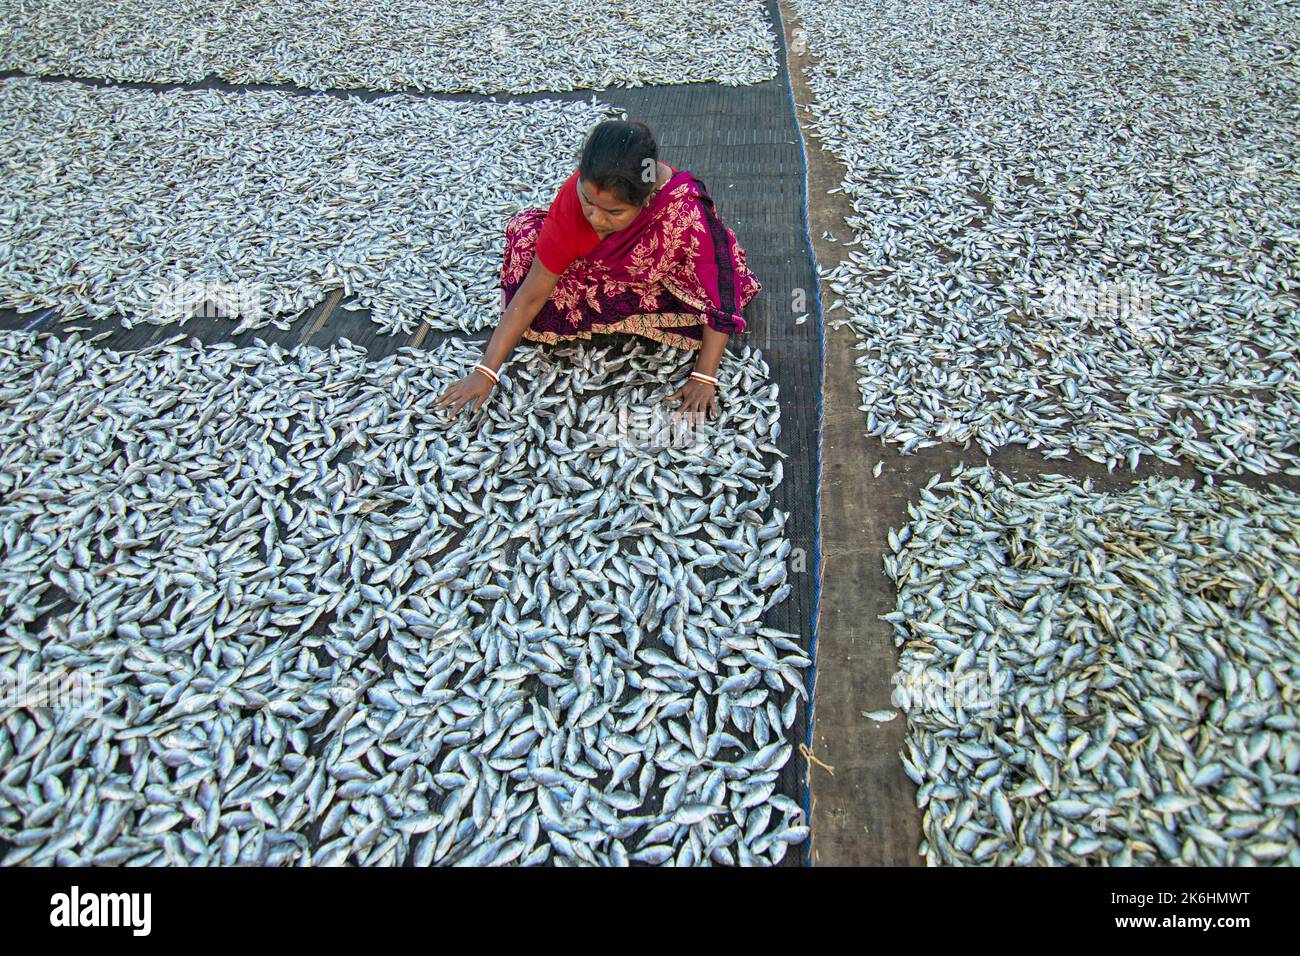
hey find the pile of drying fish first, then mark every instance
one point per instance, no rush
(1101, 678)
(258, 203)
(1079, 223)
(447, 45)
(329, 626)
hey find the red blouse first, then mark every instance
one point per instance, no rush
(566, 234)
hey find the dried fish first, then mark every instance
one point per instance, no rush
(1051, 251)
(448, 46)
(1100, 678)
(254, 205)
(324, 625)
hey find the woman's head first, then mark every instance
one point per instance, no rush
(616, 173)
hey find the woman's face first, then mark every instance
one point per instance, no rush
(604, 209)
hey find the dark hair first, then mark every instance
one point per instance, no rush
(614, 158)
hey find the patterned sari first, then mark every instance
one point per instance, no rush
(676, 268)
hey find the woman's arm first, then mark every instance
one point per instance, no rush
(695, 395)
(519, 314)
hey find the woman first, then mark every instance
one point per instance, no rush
(629, 245)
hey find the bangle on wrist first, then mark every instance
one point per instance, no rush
(487, 372)
(706, 379)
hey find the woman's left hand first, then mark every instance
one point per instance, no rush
(696, 397)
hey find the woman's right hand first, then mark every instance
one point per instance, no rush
(474, 387)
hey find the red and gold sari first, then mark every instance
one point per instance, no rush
(675, 269)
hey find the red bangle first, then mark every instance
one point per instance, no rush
(487, 371)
